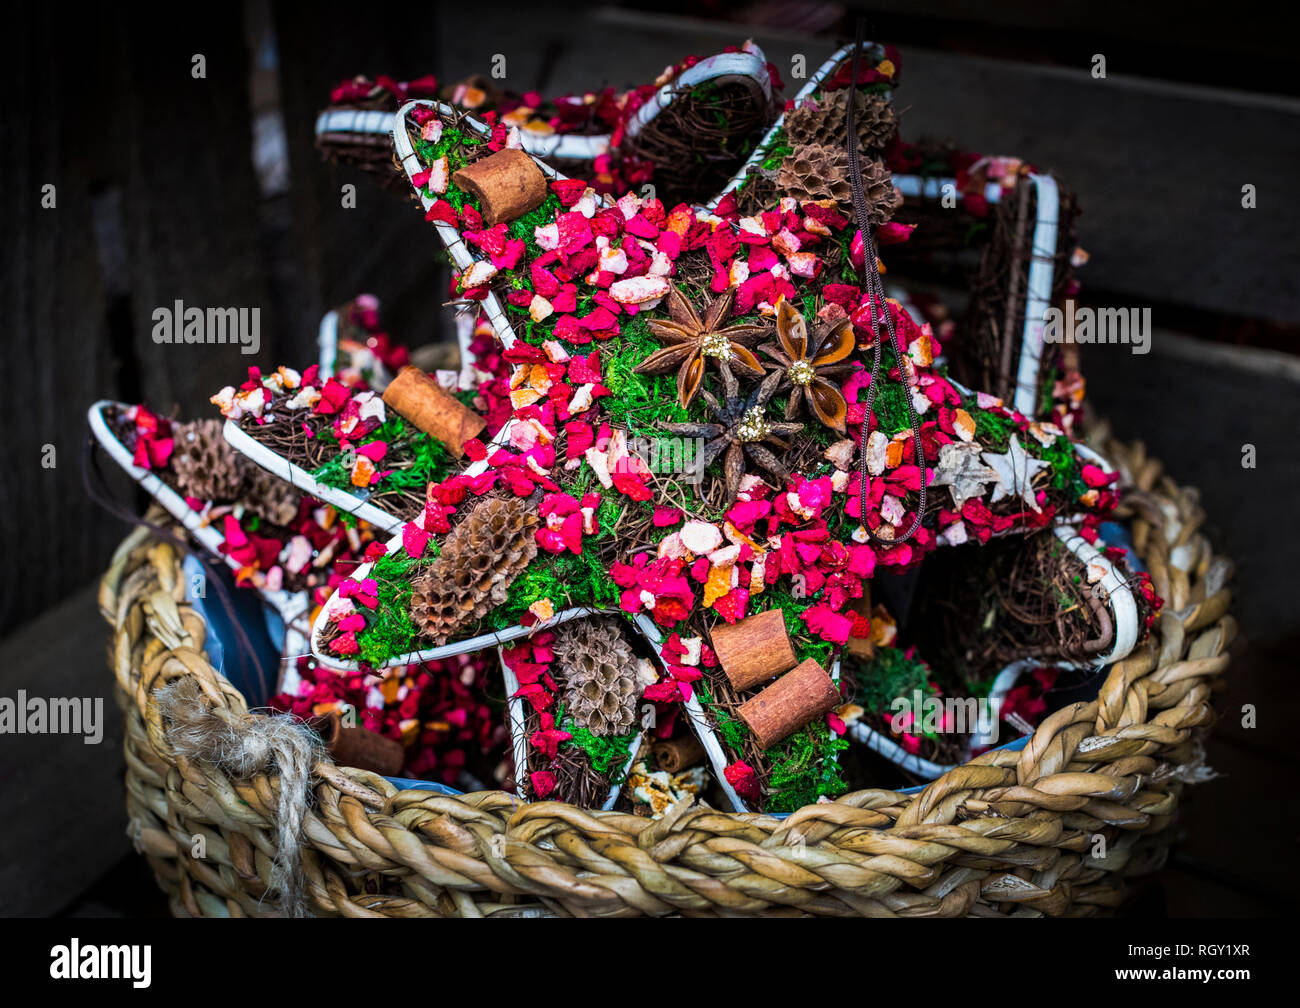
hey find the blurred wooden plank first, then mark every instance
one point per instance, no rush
(65, 818)
(1241, 837)
(1162, 219)
(383, 246)
(1194, 415)
(190, 198)
(57, 357)
(156, 201)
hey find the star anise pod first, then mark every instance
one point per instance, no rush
(741, 430)
(690, 342)
(808, 366)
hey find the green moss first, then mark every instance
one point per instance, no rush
(428, 459)
(730, 728)
(992, 430)
(781, 596)
(565, 580)
(525, 229)
(607, 755)
(453, 144)
(1050, 377)
(639, 401)
(389, 629)
(806, 767)
(1067, 473)
(890, 405)
(777, 150)
(888, 675)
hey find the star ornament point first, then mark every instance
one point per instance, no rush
(961, 470)
(1016, 470)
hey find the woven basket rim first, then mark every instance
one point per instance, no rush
(1114, 765)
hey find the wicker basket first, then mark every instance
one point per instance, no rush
(1012, 833)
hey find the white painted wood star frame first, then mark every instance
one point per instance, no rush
(293, 608)
(1043, 255)
(749, 64)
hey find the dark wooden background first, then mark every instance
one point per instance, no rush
(158, 200)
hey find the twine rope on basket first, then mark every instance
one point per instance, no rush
(243, 745)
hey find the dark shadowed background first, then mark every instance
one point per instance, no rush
(159, 198)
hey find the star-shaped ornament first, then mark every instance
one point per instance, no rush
(961, 470)
(1016, 470)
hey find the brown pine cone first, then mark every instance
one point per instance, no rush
(599, 675)
(822, 123)
(205, 465)
(268, 496)
(817, 173)
(480, 559)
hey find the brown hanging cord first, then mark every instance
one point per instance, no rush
(870, 280)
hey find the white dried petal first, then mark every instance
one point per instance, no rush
(671, 547)
(803, 264)
(840, 454)
(786, 242)
(439, 175)
(628, 205)
(297, 554)
(370, 406)
(610, 258)
(599, 465)
(877, 445)
(555, 351)
(891, 509)
(645, 674)
(547, 236)
(539, 308)
(582, 398)
(480, 273)
(638, 290)
(700, 537)
(724, 557)
(955, 534)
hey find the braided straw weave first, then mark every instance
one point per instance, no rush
(1008, 834)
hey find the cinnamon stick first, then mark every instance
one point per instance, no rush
(675, 755)
(354, 746)
(753, 650)
(413, 394)
(780, 710)
(506, 184)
